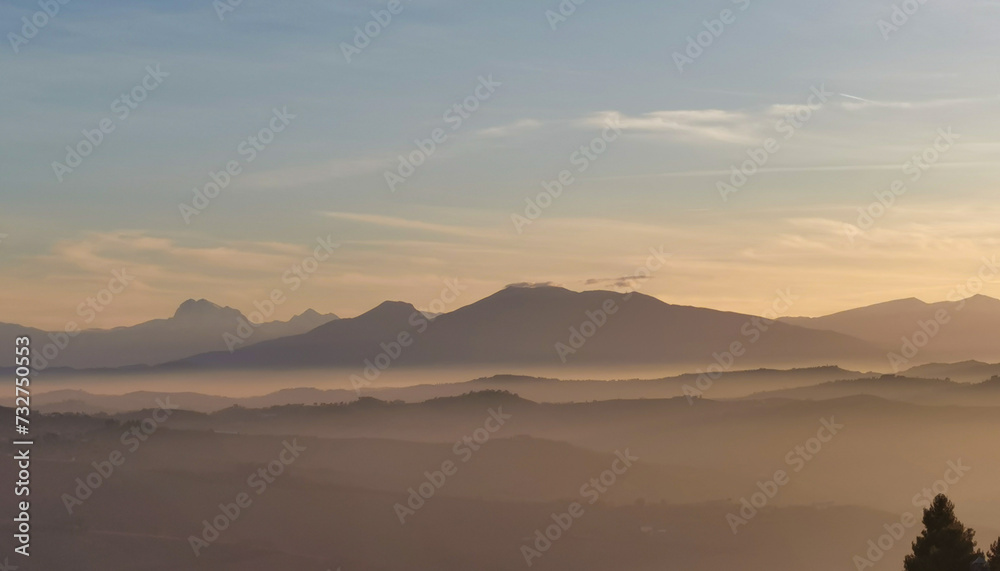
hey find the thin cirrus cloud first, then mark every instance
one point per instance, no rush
(858, 103)
(299, 175)
(704, 126)
(707, 125)
(95, 252)
(746, 126)
(406, 224)
(510, 129)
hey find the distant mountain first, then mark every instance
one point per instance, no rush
(935, 392)
(196, 327)
(546, 326)
(964, 372)
(968, 329)
(549, 326)
(735, 384)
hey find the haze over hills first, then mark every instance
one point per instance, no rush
(956, 330)
(934, 392)
(196, 327)
(334, 504)
(733, 384)
(964, 371)
(727, 445)
(552, 325)
(333, 507)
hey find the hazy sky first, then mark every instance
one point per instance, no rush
(543, 93)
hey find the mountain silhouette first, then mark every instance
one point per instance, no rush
(943, 331)
(197, 326)
(549, 325)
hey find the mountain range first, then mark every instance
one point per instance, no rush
(548, 326)
(946, 331)
(196, 327)
(544, 325)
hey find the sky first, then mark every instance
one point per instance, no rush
(829, 101)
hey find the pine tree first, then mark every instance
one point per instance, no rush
(994, 556)
(945, 544)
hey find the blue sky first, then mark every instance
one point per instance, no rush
(654, 186)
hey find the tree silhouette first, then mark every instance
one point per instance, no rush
(945, 544)
(994, 556)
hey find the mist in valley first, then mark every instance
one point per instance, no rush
(747, 471)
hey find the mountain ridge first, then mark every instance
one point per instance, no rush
(947, 331)
(535, 326)
(196, 325)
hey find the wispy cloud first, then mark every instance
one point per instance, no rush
(533, 284)
(796, 169)
(510, 129)
(698, 124)
(621, 281)
(403, 223)
(857, 103)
